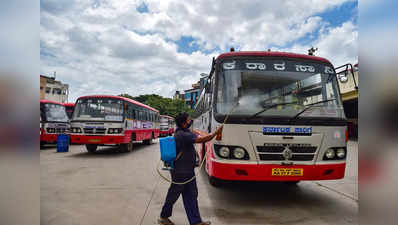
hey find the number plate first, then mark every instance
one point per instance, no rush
(287, 172)
(94, 140)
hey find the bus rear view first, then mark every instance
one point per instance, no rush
(285, 120)
(166, 125)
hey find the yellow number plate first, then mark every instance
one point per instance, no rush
(94, 140)
(287, 172)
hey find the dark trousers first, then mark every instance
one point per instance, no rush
(189, 193)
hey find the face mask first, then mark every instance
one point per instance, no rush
(190, 124)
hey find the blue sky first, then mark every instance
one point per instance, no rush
(115, 46)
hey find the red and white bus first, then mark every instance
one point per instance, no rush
(69, 109)
(112, 120)
(53, 121)
(167, 125)
(286, 120)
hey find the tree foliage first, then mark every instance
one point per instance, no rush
(166, 106)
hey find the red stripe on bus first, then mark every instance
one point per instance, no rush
(263, 172)
(272, 54)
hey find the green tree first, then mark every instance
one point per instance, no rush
(166, 106)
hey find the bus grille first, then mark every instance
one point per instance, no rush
(60, 130)
(273, 149)
(57, 130)
(279, 157)
(309, 149)
(94, 130)
(275, 153)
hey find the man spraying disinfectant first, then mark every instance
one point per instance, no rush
(184, 171)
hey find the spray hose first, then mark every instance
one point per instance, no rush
(201, 163)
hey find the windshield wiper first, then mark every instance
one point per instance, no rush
(308, 107)
(267, 107)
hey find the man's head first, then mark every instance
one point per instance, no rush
(182, 120)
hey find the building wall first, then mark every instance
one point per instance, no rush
(51, 89)
(43, 84)
(347, 89)
(191, 97)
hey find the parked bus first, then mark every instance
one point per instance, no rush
(53, 121)
(284, 118)
(167, 125)
(112, 120)
(69, 109)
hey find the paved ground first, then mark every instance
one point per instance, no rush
(111, 187)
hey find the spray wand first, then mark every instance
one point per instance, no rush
(203, 160)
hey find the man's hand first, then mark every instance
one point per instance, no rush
(219, 130)
(203, 139)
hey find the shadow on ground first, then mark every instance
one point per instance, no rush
(268, 201)
(48, 147)
(107, 151)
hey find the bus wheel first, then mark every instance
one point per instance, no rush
(291, 183)
(148, 141)
(214, 181)
(127, 147)
(91, 148)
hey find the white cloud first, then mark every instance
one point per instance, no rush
(339, 45)
(109, 47)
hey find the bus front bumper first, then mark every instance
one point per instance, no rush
(95, 139)
(48, 138)
(263, 172)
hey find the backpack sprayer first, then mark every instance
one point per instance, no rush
(168, 154)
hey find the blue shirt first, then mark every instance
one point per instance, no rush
(185, 140)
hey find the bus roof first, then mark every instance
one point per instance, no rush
(167, 116)
(272, 54)
(120, 98)
(44, 101)
(69, 104)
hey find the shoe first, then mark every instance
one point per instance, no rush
(165, 221)
(204, 223)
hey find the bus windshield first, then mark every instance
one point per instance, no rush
(69, 111)
(98, 109)
(266, 88)
(55, 113)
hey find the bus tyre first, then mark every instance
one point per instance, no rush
(91, 148)
(148, 141)
(214, 181)
(292, 183)
(127, 147)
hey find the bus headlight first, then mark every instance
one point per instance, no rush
(232, 152)
(115, 130)
(239, 153)
(76, 130)
(340, 153)
(330, 153)
(224, 152)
